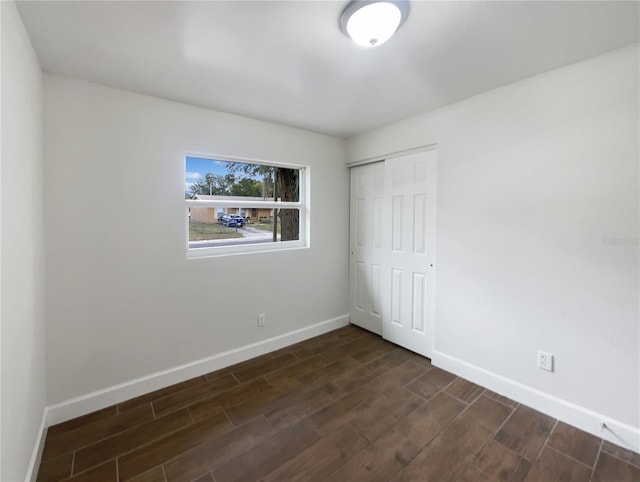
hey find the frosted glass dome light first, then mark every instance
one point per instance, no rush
(371, 23)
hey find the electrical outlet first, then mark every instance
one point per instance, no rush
(545, 361)
(261, 319)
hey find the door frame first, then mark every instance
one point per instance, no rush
(391, 155)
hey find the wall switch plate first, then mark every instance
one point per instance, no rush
(261, 319)
(545, 361)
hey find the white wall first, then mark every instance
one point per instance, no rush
(533, 178)
(123, 301)
(22, 251)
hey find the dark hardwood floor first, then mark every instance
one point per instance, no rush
(345, 406)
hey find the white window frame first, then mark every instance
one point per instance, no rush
(302, 206)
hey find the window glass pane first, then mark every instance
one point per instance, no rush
(210, 179)
(289, 221)
(205, 230)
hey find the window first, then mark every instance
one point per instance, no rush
(239, 206)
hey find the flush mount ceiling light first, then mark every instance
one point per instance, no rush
(372, 22)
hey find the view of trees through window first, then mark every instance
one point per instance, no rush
(233, 202)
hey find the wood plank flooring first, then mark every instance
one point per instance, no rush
(344, 406)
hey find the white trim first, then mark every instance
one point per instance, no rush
(391, 155)
(38, 448)
(266, 204)
(616, 432)
(302, 205)
(241, 160)
(244, 248)
(106, 397)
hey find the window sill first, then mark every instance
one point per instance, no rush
(247, 248)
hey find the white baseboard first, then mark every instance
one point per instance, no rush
(615, 431)
(36, 455)
(99, 399)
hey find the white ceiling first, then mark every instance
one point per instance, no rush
(288, 61)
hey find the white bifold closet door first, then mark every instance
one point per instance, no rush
(393, 207)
